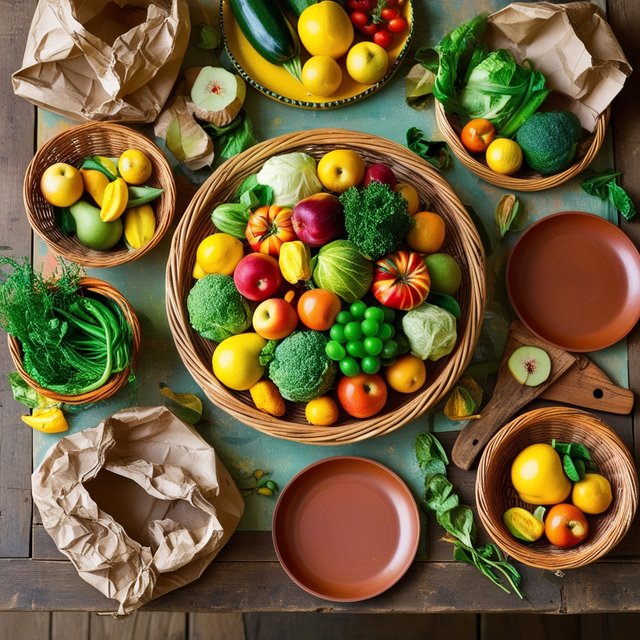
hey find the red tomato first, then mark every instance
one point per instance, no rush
(477, 135)
(369, 29)
(565, 525)
(397, 25)
(359, 18)
(268, 228)
(362, 395)
(382, 37)
(389, 13)
(359, 5)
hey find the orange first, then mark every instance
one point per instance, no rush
(322, 411)
(407, 374)
(318, 308)
(504, 156)
(410, 194)
(427, 232)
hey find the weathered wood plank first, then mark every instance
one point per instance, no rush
(140, 625)
(34, 626)
(529, 626)
(221, 626)
(69, 626)
(316, 626)
(17, 132)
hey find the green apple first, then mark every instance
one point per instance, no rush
(367, 62)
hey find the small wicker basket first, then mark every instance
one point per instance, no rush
(118, 380)
(525, 179)
(462, 242)
(72, 146)
(495, 493)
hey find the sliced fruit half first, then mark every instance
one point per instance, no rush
(218, 95)
(529, 365)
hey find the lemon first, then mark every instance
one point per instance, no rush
(321, 76)
(444, 271)
(538, 477)
(219, 253)
(592, 494)
(325, 29)
(504, 156)
(134, 166)
(236, 361)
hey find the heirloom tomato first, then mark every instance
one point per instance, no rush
(401, 280)
(268, 228)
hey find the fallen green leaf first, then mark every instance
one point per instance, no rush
(190, 406)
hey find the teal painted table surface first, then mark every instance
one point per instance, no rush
(385, 113)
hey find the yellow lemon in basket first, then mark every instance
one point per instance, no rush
(325, 29)
(134, 166)
(504, 156)
(236, 361)
(592, 494)
(219, 253)
(321, 76)
(538, 477)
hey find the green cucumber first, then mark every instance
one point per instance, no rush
(298, 6)
(269, 32)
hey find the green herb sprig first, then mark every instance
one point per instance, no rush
(457, 520)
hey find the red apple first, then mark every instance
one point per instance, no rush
(362, 395)
(257, 276)
(381, 173)
(401, 280)
(565, 525)
(318, 219)
(274, 319)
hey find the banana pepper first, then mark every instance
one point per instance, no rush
(49, 420)
(295, 261)
(114, 200)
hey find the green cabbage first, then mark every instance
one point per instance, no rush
(292, 176)
(431, 331)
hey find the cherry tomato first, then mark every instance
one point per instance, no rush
(565, 525)
(382, 37)
(369, 29)
(359, 5)
(389, 13)
(397, 25)
(359, 18)
(477, 135)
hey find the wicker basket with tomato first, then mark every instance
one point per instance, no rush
(307, 343)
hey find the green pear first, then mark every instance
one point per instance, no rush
(93, 232)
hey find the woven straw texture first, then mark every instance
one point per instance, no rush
(72, 146)
(525, 179)
(118, 380)
(495, 494)
(462, 242)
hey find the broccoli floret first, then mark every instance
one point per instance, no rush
(376, 218)
(300, 368)
(549, 140)
(216, 308)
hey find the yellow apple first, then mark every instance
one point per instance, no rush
(367, 62)
(340, 169)
(61, 184)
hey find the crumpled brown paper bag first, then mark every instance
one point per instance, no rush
(140, 504)
(572, 44)
(111, 60)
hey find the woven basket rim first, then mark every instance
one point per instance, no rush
(179, 279)
(95, 138)
(537, 183)
(118, 380)
(619, 516)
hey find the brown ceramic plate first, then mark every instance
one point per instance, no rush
(346, 528)
(574, 280)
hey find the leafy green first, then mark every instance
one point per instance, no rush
(576, 459)
(27, 395)
(458, 520)
(253, 194)
(234, 138)
(605, 186)
(435, 152)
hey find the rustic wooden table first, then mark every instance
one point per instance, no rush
(246, 576)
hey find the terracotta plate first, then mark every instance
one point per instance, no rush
(346, 529)
(276, 82)
(574, 280)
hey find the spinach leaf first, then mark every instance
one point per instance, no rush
(620, 199)
(605, 186)
(434, 152)
(597, 185)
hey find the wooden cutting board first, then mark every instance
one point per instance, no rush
(574, 379)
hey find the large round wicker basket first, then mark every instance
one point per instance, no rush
(526, 179)
(91, 286)
(462, 242)
(73, 146)
(495, 493)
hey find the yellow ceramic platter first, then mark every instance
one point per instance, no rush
(275, 82)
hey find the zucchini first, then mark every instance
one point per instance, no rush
(269, 32)
(298, 6)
